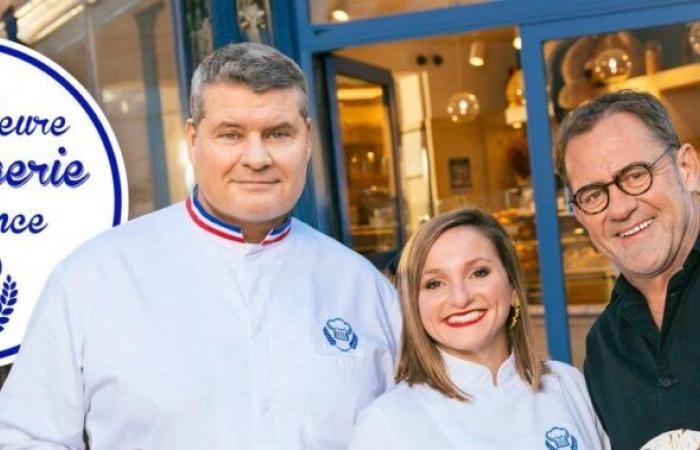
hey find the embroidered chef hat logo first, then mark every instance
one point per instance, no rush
(559, 438)
(339, 334)
(62, 180)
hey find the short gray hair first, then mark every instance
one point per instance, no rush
(259, 67)
(642, 105)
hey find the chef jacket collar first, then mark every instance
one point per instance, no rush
(211, 224)
(471, 377)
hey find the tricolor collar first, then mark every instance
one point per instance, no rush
(206, 221)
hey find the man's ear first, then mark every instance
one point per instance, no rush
(309, 139)
(688, 166)
(190, 138)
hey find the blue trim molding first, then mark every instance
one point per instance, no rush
(224, 23)
(544, 188)
(458, 19)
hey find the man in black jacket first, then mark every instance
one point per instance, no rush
(633, 186)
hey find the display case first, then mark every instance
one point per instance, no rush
(589, 275)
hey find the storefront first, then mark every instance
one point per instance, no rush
(426, 107)
(420, 107)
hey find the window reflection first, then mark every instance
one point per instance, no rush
(122, 52)
(368, 155)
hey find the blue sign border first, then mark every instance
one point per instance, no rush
(116, 180)
(9, 352)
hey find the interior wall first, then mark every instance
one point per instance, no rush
(487, 141)
(488, 82)
(489, 145)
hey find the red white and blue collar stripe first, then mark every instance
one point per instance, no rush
(208, 222)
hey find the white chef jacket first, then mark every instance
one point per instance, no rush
(506, 415)
(168, 333)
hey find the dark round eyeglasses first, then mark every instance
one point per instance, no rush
(635, 179)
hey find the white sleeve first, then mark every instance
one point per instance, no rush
(575, 387)
(373, 432)
(42, 401)
(392, 311)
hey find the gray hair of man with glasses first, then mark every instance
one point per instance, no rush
(582, 120)
(258, 67)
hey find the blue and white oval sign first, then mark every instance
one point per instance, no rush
(62, 180)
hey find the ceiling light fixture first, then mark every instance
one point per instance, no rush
(462, 106)
(612, 63)
(694, 37)
(477, 51)
(517, 42)
(339, 13)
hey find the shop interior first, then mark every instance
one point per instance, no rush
(454, 134)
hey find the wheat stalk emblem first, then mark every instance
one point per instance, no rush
(8, 299)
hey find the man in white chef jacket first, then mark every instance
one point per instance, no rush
(220, 322)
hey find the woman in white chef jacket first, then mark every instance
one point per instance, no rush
(468, 376)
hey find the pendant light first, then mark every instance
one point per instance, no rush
(339, 11)
(462, 106)
(612, 63)
(694, 37)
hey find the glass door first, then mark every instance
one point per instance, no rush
(462, 137)
(365, 138)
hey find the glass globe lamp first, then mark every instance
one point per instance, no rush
(463, 107)
(612, 65)
(694, 37)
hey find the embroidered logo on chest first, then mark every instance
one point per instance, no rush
(340, 335)
(560, 438)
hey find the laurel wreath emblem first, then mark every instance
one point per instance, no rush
(8, 299)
